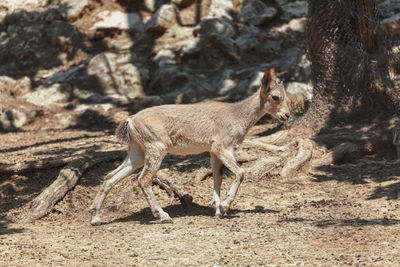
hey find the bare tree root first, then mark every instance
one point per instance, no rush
(277, 138)
(339, 154)
(264, 166)
(303, 155)
(66, 180)
(265, 146)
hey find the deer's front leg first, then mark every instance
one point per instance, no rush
(216, 166)
(227, 158)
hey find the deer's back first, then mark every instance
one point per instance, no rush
(186, 129)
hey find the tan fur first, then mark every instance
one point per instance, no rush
(214, 127)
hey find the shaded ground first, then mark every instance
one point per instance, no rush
(329, 216)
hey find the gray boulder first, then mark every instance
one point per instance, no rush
(48, 96)
(13, 119)
(14, 87)
(392, 25)
(150, 5)
(220, 9)
(118, 20)
(255, 12)
(71, 9)
(116, 74)
(165, 17)
(294, 10)
(182, 3)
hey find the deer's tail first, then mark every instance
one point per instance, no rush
(123, 131)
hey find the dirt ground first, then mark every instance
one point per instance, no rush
(327, 216)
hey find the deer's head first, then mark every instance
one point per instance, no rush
(274, 96)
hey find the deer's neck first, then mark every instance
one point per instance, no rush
(249, 110)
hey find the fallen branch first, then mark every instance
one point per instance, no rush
(171, 189)
(35, 166)
(66, 180)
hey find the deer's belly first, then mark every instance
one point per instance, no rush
(188, 149)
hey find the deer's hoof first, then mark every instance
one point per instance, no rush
(167, 220)
(223, 210)
(95, 221)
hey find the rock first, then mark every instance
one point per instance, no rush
(302, 71)
(253, 42)
(47, 96)
(392, 25)
(225, 45)
(256, 13)
(165, 17)
(116, 74)
(71, 9)
(226, 84)
(150, 5)
(89, 96)
(14, 87)
(64, 120)
(295, 10)
(119, 116)
(168, 79)
(182, 3)
(282, 2)
(388, 8)
(13, 119)
(118, 20)
(300, 96)
(37, 41)
(297, 88)
(214, 26)
(9, 6)
(149, 101)
(294, 25)
(165, 57)
(189, 49)
(256, 81)
(220, 9)
(64, 76)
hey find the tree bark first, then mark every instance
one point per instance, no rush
(348, 49)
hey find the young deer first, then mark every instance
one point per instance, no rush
(215, 127)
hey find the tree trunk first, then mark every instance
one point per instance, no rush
(350, 55)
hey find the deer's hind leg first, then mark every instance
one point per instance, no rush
(216, 166)
(153, 159)
(132, 162)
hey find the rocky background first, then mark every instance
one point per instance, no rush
(87, 63)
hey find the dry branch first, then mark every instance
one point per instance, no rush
(66, 180)
(34, 166)
(171, 189)
(202, 174)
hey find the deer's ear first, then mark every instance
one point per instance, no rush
(268, 79)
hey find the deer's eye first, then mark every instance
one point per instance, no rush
(275, 97)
